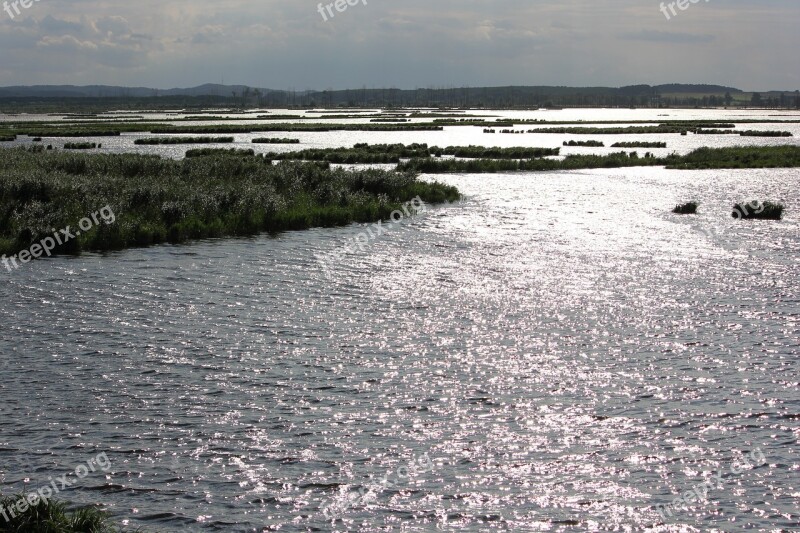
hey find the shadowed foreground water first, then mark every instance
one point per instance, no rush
(557, 352)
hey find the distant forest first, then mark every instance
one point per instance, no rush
(44, 98)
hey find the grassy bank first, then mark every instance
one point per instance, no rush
(160, 200)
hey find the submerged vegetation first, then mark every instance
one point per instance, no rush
(51, 517)
(183, 140)
(758, 210)
(689, 208)
(162, 200)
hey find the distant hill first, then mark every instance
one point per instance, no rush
(213, 89)
(58, 97)
(108, 91)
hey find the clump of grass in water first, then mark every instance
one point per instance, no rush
(584, 143)
(80, 146)
(758, 210)
(52, 517)
(200, 152)
(183, 140)
(689, 208)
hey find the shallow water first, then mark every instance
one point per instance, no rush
(556, 352)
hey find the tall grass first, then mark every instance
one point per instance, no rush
(52, 517)
(158, 200)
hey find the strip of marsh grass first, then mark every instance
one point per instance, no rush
(571, 162)
(203, 152)
(159, 200)
(703, 158)
(737, 157)
(80, 146)
(595, 144)
(639, 145)
(184, 140)
(52, 517)
(516, 152)
(393, 153)
(268, 140)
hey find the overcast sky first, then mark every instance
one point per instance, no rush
(749, 44)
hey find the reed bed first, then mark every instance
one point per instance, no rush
(159, 200)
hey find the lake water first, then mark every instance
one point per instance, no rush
(558, 352)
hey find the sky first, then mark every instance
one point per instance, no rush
(283, 44)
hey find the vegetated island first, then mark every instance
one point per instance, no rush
(183, 140)
(159, 200)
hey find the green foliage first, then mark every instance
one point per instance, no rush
(157, 200)
(52, 517)
(739, 157)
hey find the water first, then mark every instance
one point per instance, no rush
(557, 352)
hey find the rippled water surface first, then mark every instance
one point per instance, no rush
(556, 352)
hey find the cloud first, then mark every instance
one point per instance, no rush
(668, 37)
(281, 44)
